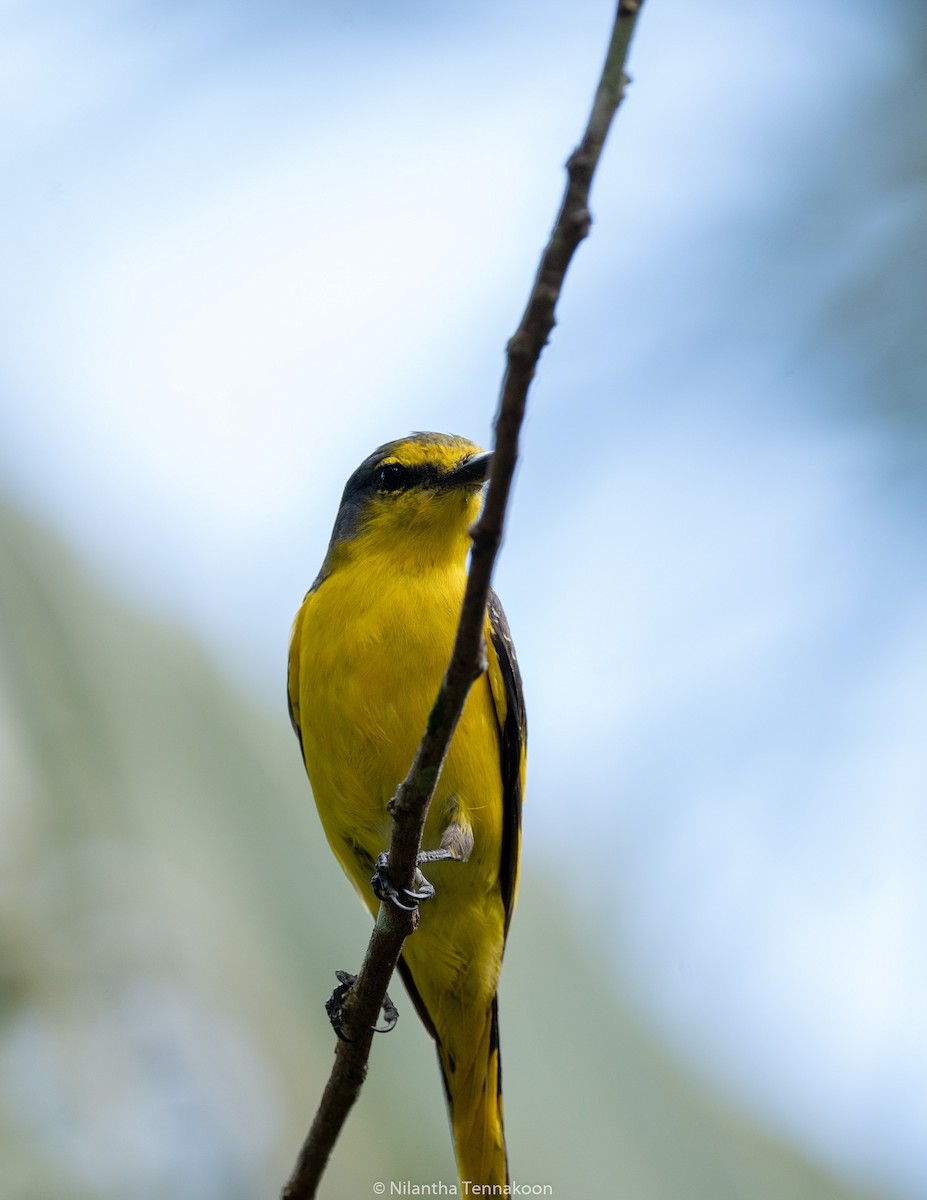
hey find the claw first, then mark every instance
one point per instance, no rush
(390, 1014)
(384, 889)
(334, 1006)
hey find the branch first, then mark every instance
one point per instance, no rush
(409, 806)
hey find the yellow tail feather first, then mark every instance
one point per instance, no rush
(474, 1094)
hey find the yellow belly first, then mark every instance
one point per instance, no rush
(370, 663)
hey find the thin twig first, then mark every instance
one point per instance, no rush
(409, 806)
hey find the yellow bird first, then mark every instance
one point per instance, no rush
(370, 645)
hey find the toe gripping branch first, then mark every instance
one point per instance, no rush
(406, 899)
(334, 1006)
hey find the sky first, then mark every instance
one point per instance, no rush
(241, 247)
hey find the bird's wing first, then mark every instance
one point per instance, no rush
(509, 701)
(509, 704)
(292, 689)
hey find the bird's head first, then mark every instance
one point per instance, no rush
(412, 500)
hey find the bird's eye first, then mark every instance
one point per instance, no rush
(392, 477)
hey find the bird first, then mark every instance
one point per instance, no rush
(369, 648)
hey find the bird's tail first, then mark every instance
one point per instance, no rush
(474, 1095)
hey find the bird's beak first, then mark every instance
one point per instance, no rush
(475, 471)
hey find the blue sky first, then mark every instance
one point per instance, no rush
(240, 251)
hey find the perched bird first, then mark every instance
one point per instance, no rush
(370, 645)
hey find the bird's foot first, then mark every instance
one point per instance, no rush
(406, 899)
(334, 1006)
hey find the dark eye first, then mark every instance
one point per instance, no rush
(392, 477)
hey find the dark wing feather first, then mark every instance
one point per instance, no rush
(513, 739)
(513, 733)
(292, 676)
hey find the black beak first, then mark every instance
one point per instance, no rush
(474, 471)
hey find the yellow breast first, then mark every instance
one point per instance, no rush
(372, 646)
